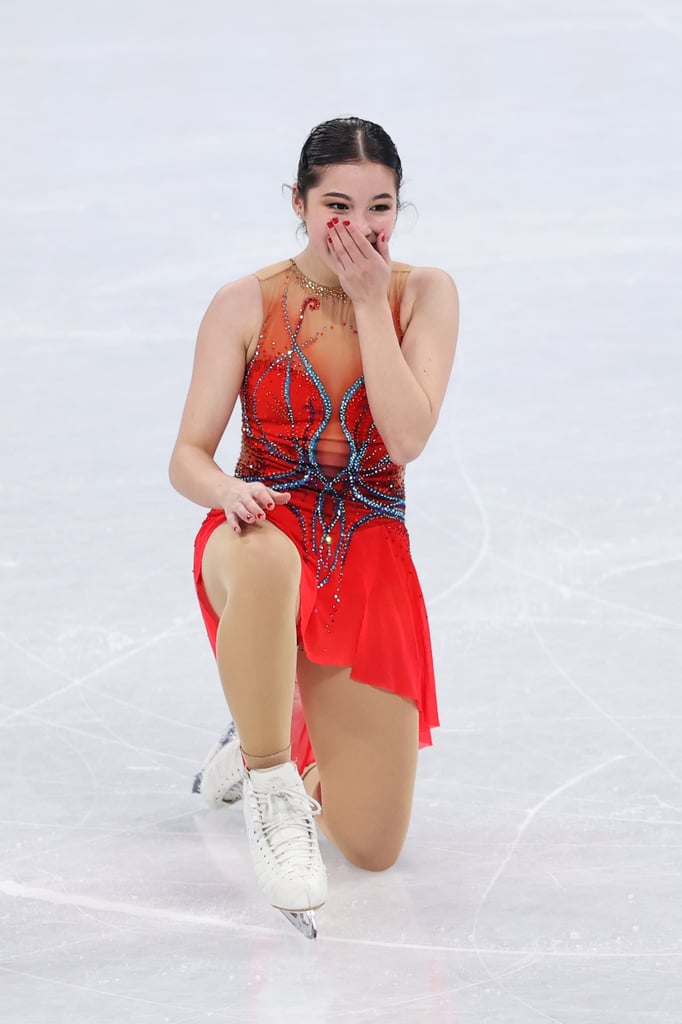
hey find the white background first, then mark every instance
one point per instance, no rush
(145, 146)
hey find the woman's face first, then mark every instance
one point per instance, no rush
(364, 194)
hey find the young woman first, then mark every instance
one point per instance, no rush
(341, 359)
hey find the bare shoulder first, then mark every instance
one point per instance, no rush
(429, 293)
(238, 302)
(431, 282)
(233, 319)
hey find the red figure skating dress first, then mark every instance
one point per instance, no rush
(307, 429)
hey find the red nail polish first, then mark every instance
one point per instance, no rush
(383, 237)
(329, 240)
(330, 223)
(336, 220)
(346, 223)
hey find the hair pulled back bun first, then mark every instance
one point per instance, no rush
(346, 140)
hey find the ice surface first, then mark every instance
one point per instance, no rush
(145, 145)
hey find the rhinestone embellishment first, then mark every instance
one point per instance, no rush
(322, 291)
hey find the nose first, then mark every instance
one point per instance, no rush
(363, 225)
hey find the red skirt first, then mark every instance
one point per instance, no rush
(361, 605)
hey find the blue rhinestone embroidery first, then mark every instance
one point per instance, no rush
(281, 450)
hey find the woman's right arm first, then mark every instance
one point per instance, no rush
(227, 337)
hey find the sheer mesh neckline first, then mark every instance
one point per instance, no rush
(322, 291)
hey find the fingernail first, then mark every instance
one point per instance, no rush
(261, 515)
(271, 504)
(329, 240)
(346, 223)
(335, 220)
(330, 223)
(383, 237)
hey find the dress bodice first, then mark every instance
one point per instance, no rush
(306, 421)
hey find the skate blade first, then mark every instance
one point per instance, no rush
(303, 921)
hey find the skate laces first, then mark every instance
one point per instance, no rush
(285, 817)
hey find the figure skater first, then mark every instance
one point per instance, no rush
(340, 358)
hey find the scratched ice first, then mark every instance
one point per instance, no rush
(145, 147)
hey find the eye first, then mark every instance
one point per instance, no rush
(337, 206)
(381, 207)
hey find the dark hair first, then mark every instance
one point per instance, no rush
(346, 140)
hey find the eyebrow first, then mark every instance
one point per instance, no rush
(342, 195)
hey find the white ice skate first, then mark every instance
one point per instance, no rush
(219, 780)
(283, 839)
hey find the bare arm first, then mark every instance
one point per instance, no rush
(405, 384)
(227, 337)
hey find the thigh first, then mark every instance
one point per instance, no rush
(366, 742)
(261, 559)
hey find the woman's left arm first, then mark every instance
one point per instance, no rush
(406, 383)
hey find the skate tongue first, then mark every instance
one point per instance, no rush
(271, 780)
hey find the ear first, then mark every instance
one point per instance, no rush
(297, 202)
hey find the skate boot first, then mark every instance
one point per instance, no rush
(283, 839)
(219, 780)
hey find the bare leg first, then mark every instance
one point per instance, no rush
(366, 742)
(252, 582)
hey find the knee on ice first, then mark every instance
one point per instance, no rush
(372, 857)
